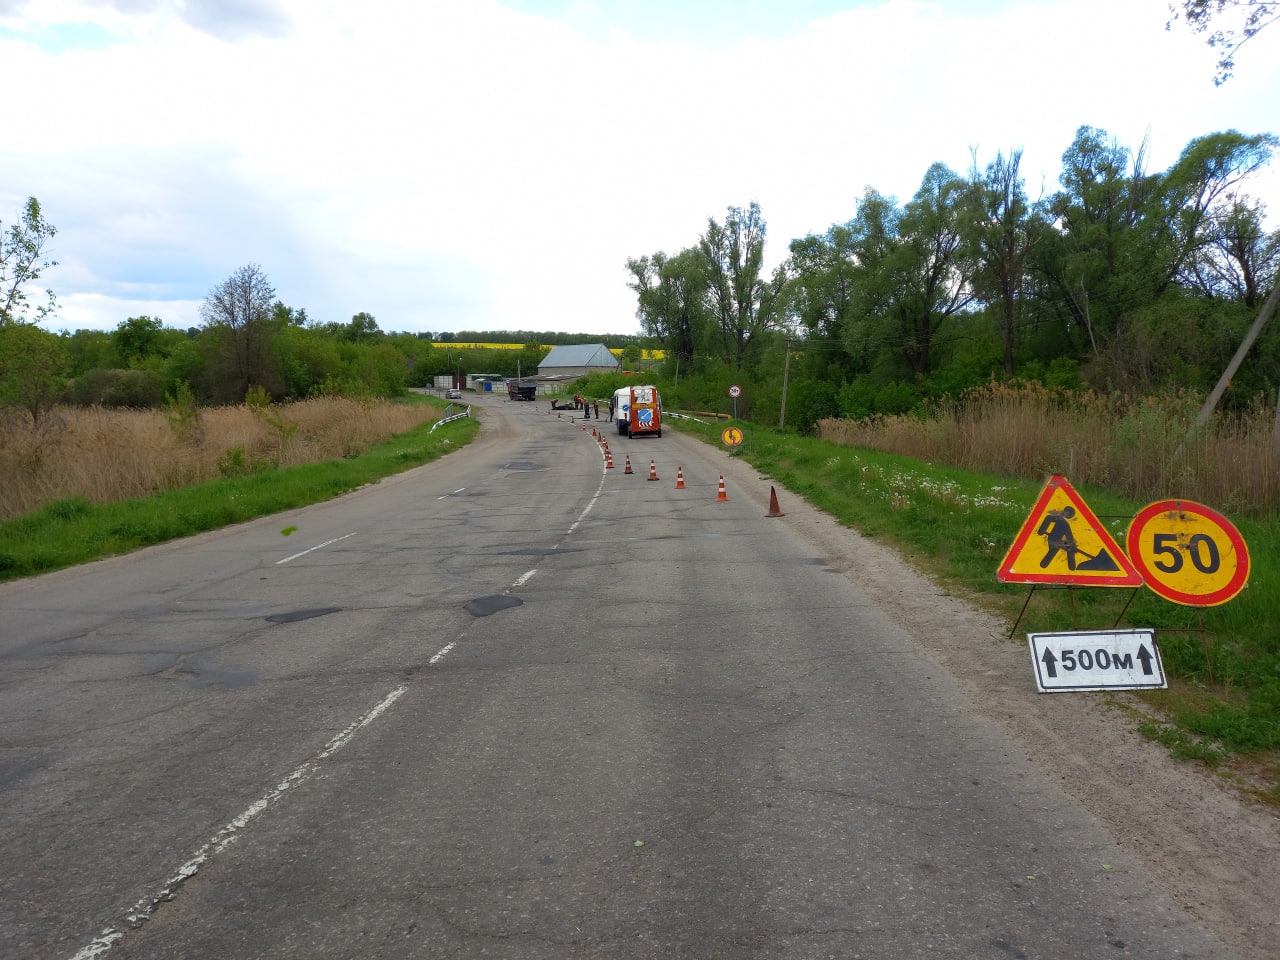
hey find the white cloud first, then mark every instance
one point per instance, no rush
(466, 164)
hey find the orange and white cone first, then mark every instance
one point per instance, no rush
(721, 495)
(653, 470)
(774, 510)
(628, 470)
(679, 478)
(608, 459)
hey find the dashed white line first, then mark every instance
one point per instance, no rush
(591, 503)
(144, 908)
(446, 496)
(318, 546)
(443, 652)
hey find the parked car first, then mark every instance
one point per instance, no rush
(453, 393)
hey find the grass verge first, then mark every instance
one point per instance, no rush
(73, 530)
(1222, 707)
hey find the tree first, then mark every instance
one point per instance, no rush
(873, 237)
(1238, 259)
(1087, 261)
(136, 339)
(238, 317)
(823, 270)
(742, 301)
(363, 328)
(914, 266)
(1200, 15)
(1198, 194)
(1006, 230)
(671, 299)
(23, 259)
(31, 364)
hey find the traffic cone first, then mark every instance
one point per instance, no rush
(653, 470)
(608, 460)
(721, 495)
(774, 511)
(679, 478)
(628, 470)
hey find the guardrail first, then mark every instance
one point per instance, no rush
(450, 417)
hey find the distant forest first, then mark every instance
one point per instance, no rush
(1124, 281)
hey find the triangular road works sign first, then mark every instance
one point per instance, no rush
(1063, 542)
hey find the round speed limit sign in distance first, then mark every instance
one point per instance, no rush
(1188, 553)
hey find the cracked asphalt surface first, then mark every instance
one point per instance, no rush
(520, 706)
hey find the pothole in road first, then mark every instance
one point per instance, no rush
(536, 552)
(294, 616)
(484, 606)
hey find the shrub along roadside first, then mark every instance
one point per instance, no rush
(72, 531)
(1224, 696)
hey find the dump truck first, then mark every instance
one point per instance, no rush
(522, 389)
(637, 411)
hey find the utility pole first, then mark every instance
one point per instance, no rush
(1209, 405)
(786, 372)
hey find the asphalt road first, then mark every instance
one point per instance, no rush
(514, 705)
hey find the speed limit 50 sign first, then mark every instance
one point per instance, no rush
(1188, 553)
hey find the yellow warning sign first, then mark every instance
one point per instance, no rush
(1063, 542)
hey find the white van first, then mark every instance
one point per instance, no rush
(637, 410)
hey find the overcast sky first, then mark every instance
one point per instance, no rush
(491, 164)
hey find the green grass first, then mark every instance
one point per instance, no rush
(73, 531)
(958, 525)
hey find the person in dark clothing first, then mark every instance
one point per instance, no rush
(596, 406)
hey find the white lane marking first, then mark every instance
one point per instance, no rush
(448, 495)
(144, 908)
(99, 945)
(591, 503)
(318, 546)
(525, 577)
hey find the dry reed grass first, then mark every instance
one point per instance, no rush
(111, 455)
(1128, 446)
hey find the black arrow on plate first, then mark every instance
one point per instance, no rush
(1145, 656)
(1050, 663)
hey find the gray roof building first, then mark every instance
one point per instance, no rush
(578, 359)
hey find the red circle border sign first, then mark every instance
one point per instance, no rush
(1153, 576)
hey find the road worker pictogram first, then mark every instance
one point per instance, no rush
(1062, 541)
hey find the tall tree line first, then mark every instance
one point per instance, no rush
(1122, 279)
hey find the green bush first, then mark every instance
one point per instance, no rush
(897, 398)
(857, 400)
(118, 388)
(810, 401)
